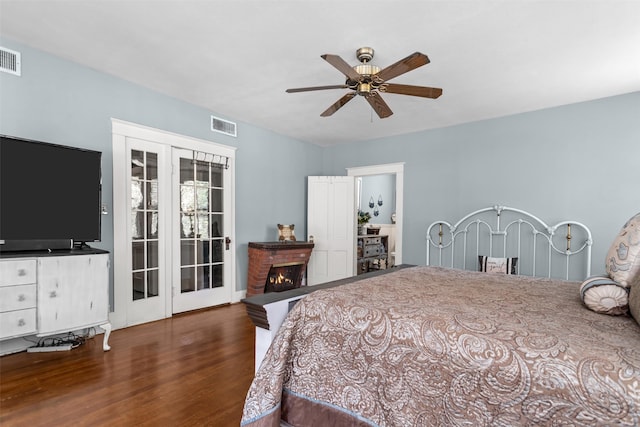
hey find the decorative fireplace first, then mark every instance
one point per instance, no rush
(276, 266)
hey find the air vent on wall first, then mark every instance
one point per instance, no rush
(223, 126)
(9, 61)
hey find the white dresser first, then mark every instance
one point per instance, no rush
(46, 295)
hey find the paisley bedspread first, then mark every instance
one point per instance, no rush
(428, 346)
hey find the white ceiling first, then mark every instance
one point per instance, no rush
(237, 57)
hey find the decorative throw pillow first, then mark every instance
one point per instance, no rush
(634, 302)
(497, 265)
(623, 258)
(603, 295)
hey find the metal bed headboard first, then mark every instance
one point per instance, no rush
(500, 231)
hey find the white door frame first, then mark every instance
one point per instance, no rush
(121, 130)
(398, 170)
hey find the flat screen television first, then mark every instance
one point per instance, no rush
(50, 195)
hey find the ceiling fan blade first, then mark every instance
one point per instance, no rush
(342, 66)
(407, 64)
(379, 106)
(339, 104)
(307, 89)
(423, 91)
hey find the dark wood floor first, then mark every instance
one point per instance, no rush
(192, 369)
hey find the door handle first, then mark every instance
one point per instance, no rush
(227, 242)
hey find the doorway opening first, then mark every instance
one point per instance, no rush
(395, 203)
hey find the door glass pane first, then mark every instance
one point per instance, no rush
(217, 247)
(152, 225)
(202, 172)
(216, 276)
(152, 283)
(187, 200)
(216, 176)
(216, 225)
(137, 164)
(137, 258)
(152, 195)
(202, 198)
(187, 226)
(187, 280)
(152, 166)
(137, 225)
(186, 171)
(187, 252)
(152, 254)
(137, 280)
(216, 200)
(204, 251)
(203, 277)
(203, 226)
(137, 195)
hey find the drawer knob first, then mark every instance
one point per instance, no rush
(22, 272)
(21, 322)
(53, 294)
(21, 297)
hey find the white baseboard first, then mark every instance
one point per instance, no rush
(238, 296)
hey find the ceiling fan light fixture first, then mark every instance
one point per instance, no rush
(366, 69)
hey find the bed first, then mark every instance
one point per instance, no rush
(444, 345)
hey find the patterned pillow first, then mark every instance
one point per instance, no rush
(497, 265)
(623, 258)
(604, 295)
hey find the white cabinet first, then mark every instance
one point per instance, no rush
(72, 292)
(46, 295)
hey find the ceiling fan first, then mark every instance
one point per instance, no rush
(368, 80)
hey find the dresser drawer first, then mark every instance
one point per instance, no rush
(373, 240)
(17, 272)
(17, 297)
(372, 251)
(17, 323)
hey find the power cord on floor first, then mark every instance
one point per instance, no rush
(71, 338)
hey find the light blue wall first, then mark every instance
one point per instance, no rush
(61, 102)
(579, 162)
(376, 186)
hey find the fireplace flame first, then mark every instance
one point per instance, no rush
(279, 279)
(283, 277)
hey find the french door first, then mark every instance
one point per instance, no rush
(200, 254)
(149, 232)
(173, 224)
